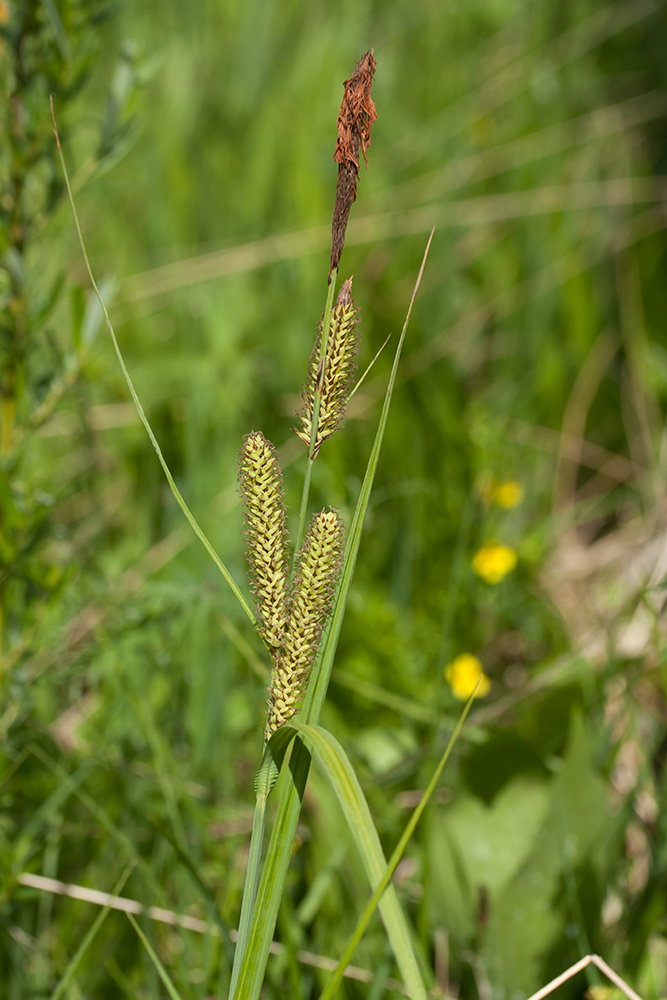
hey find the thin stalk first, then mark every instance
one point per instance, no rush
(358, 385)
(253, 872)
(326, 326)
(140, 410)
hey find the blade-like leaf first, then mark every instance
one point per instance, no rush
(90, 936)
(397, 854)
(360, 822)
(274, 874)
(161, 971)
(192, 521)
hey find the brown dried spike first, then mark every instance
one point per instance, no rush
(357, 114)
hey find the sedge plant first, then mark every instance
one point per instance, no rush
(300, 598)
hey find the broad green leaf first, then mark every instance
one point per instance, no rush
(535, 923)
(192, 521)
(493, 841)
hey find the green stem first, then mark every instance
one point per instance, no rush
(253, 873)
(326, 326)
(140, 410)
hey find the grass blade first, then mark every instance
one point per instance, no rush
(397, 854)
(160, 969)
(250, 886)
(192, 521)
(190, 865)
(360, 822)
(75, 962)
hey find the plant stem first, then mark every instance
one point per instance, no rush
(253, 872)
(326, 326)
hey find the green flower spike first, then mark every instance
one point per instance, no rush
(261, 481)
(332, 374)
(309, 607)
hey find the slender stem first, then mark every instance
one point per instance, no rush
(253, 872)
(140, 410)
(303, 510)
(326, 326)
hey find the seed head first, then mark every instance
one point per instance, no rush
(261, 482)
(332, 374)
(309, 607)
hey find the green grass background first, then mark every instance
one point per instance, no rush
(201, 147)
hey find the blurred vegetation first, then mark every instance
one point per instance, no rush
(200, 137)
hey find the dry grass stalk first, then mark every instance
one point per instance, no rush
(190, 923)
(332, 375)
(357, 114)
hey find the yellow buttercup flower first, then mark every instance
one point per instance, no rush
(508, 494)
(494, 561)
(463, 673)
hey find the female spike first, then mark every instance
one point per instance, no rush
(261, 482)
(309, 607)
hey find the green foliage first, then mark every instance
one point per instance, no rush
(200, 139)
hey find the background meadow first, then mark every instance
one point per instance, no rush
(528, 420)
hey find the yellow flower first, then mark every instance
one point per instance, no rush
(5, 11)
(463, 673)
(508, 494)
(493, 562)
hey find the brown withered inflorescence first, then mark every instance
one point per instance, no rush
(357, 114)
